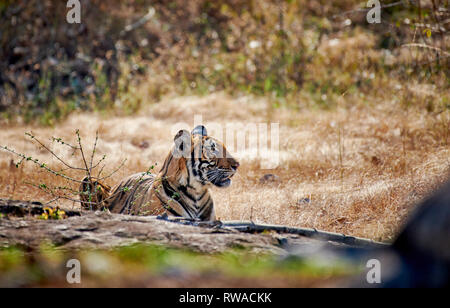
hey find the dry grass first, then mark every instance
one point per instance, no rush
(362, 168)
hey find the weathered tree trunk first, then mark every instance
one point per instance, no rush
(99, 230)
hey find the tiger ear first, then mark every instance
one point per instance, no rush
(200, 130)
(182, 143)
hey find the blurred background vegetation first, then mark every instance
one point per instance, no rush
(301, 54)
(155, 266)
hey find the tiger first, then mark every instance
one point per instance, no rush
(196, 163)
(89, 199)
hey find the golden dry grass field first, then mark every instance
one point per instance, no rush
(355, 170)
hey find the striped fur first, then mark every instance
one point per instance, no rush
(93, 194)
(181, 188)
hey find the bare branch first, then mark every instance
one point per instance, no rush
(60, 141)
(88, 172)
(417, 45)
(114, 172)
(52, 193)
(67, 192)
(51, 152)
(93, 151)
(142, 21)
(41, 165)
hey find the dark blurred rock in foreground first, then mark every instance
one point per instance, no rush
(420, 256)
(423, 248)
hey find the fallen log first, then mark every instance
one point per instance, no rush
(27, 208)
(249, 227)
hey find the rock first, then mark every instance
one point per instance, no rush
(144, 145)
(303, 201)
(269, 178)
(141, 144)
(420, 256)
(423, 247)
(104, 230)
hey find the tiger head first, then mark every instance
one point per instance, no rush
(93, 194)
(207, 159)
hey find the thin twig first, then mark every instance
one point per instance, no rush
(114, 172)
(41, 165)
(51, 152)
(99, 162)
(101, 170)
(51, 201)
(60, 141)
(88, 172)
(50, 192)
(93, 150)
(61, 192)
(142, 21)
(417, 45)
